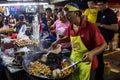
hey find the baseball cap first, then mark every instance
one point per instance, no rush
(71, 7)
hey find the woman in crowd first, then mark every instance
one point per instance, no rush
(21, 21)
(60, 26)
(12, 21)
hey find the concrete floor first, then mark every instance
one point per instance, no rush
(114, 58)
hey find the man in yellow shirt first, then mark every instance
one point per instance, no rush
(91, 12)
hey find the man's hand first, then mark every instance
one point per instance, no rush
(98, 24)
(4, 28)
(54, 44)
(49, 23)
(87, 57)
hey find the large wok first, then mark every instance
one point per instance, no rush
(31, 57)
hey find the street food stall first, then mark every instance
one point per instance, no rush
(24, 58)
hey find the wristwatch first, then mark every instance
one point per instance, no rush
(101, 25)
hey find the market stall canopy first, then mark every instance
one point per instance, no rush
(20, 0)
(7, 1)
(27, 0)
(56, 1)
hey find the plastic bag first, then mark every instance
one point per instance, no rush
(24, 49)
(23, 29)
(21, 34)
(6, 40)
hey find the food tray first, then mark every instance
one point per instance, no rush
(7, 45)
(23, 42)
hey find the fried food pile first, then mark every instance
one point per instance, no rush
(68, 71)
(36, 68)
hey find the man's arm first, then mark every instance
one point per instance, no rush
(113, 27)
(3, 29)
(89, 55)
(112, 20)
(61, 40)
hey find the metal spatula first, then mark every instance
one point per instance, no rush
(51, 50)
(44, 57)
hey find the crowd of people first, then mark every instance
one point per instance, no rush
(89, 32)
(10, 23)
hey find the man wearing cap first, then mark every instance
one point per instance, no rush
(86, 41)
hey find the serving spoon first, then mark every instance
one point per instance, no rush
(57, 50)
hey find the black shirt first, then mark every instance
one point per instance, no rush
(107, 17)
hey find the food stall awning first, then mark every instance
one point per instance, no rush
(56, 1)
(20, 0)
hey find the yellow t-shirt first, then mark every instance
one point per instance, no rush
(91, 14)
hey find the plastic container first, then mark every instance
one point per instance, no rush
(107, 68)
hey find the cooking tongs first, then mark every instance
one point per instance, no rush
(57, 72)
(71, 66)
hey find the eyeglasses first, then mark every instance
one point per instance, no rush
(66, 9)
